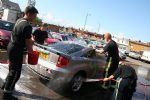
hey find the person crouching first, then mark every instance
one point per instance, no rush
(126, 85)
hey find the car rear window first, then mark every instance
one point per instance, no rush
(68, 48)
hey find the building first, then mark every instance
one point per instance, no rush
(148, 43)
(6, 4)
(121, 41)
(138, 46)
(54, 28)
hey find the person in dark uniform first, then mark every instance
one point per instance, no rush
(112, 59)
(127, 82)
(40, 35)
(20, 39)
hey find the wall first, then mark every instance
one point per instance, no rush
(135, 46)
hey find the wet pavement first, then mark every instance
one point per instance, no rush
(31, 87)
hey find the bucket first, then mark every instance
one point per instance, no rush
(33, 58)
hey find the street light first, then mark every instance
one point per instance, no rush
(31, 2)
(86, 20)
(99, 26)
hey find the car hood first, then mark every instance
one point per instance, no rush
(5, 32)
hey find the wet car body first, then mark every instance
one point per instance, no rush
(70, 64)
(5, 32)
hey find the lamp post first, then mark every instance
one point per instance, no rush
(31, 2)
(86, 20)
(99, 26)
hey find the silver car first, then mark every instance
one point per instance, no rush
(67, 63)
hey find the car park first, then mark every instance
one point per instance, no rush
(71, 36)
(69, 64)
(5, 32)
(124, 49)
(135, 55)
(59, 36)
(97, 44)
(81, 41)
(122, 56)
(51, 40)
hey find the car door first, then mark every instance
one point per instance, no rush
(96, 64)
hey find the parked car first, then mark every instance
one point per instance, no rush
(52, 40)
(103, 42)
(59, 36)
(135, 55)
(5, 32)
(122, 56)
(124, 49)
(68, 64)
(146, 56)
(71, 35)
(80, 41)
(100, 43)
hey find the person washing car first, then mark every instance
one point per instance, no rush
(127, 81)
(40, 35)
(20, 39)
(112, 59)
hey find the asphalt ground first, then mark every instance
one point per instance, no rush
(31, 87)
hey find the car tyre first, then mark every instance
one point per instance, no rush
(77, 82)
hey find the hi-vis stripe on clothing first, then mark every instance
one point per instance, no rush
(118, 85)
(107, 69)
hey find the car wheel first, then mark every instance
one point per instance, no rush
(77, 83)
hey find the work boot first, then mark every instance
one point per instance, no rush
(9, 96)
(3, 86)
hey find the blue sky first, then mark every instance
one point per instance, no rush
(123, 18)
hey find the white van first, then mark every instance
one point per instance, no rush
(146, 55)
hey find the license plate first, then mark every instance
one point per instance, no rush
(44, 55)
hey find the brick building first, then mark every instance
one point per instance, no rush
(78, 32)
(54, 28)
(138, 46)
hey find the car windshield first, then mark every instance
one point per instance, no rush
(68, 48)
(6, 25)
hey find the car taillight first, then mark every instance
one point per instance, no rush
(62, 61)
